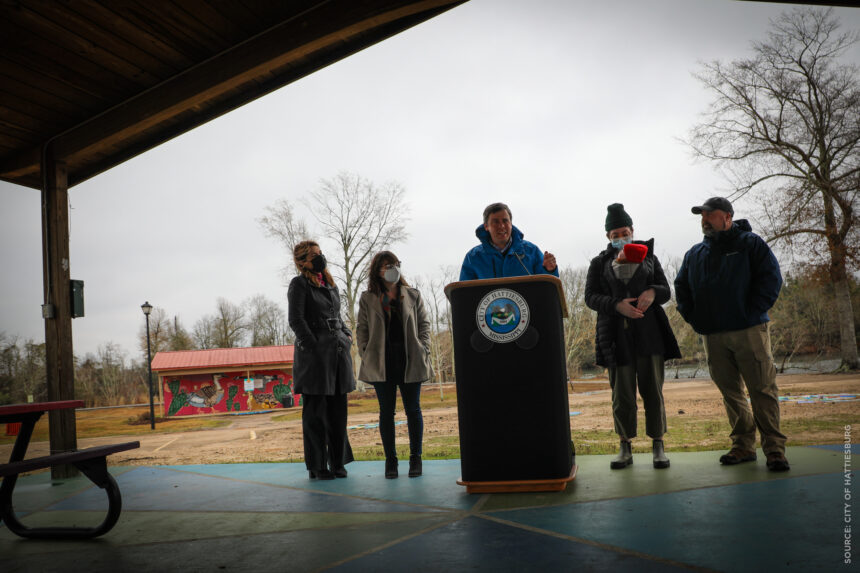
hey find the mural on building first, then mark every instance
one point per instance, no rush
(222, 393)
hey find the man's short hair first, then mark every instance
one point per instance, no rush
(495, 208)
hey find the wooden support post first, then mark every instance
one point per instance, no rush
(59, 359)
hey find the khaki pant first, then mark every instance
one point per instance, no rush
(746, 353)
(648, 370)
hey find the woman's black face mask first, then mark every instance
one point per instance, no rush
(318, 263)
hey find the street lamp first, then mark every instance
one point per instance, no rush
(147, 308)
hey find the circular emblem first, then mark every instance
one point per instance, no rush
(502, 315)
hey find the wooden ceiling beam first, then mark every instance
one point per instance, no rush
(334, 26)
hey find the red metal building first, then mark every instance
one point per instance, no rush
(225, 380)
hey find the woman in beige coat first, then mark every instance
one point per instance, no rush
(393, 335)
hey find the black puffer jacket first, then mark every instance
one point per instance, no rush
(322, 364)
(652, 333)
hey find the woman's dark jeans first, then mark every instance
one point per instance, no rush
(386, 393)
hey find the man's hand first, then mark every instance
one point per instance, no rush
(626, 308)
(549, 261)
(645, 299)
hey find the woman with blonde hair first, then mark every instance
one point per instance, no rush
(322, 367)
(393, 335)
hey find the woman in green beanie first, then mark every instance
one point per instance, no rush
(626, 286)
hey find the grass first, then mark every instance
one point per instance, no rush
(366, 403)
(99, 423)
(686, 433)
(122, 422)
(436, 448)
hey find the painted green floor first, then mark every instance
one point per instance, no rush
(270, 517)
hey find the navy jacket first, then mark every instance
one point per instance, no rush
(486, 262)
(728, 283)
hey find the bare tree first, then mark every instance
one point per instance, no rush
(203, 334)
(280, 223)
(159, 337)
(361, 218)
(228, 324)
(580, 324)
(177, 337)
(441, 350)
(22, 369)
(785, 124)
(689, 341)
(10, 359)
(111, 364)
(267, 323)
(33, 377)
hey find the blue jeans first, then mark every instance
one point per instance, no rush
(386, 393)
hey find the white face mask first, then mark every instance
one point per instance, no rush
(621, 241)
(392, 275)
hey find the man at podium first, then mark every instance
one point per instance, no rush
(503, 252)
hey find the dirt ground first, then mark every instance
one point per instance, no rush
(259, 438)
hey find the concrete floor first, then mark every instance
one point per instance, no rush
(270, 517)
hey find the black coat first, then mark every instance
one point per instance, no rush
(651, 334)
(322, 362)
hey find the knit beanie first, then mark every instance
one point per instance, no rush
(617, 217)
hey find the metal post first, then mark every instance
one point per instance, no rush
(146, 310)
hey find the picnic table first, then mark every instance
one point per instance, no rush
(90, 461)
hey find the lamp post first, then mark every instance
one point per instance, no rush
(147, 308)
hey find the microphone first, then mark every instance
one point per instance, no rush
(519, 257)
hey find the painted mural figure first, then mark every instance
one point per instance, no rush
(626, 286)
(206, 396)
(322, 370)
(393, 336)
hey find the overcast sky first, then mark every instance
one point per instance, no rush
(557, 108)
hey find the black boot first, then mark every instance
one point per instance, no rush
(414, 466)
(320, 474)
(624, 457)
(660, 459)
(390, 468)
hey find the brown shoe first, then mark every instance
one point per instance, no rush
(737, 456)
(776, 462)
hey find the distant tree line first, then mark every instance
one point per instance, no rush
(258, 321)
(804, 323)
(104, 378)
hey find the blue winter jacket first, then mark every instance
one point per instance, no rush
(728, 282)
(486, 262)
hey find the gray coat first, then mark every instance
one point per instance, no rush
(322, 363)
(370, 336)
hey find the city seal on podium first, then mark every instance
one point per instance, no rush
(502, 315)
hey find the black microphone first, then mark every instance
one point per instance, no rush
(519, 257)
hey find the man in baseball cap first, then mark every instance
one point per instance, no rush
(724, 288)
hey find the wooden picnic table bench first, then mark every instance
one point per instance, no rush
(90, 461)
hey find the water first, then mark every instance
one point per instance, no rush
(800, 365)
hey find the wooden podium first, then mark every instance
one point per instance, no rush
(512, 384)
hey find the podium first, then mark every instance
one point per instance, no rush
(512, 401)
